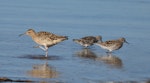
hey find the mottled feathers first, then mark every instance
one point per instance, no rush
(112, 45)
(87, 41)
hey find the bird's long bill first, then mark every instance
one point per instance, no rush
(22, 34)
(127, 42)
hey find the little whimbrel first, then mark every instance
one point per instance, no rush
(44, 39)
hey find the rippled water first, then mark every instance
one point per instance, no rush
(68, 62)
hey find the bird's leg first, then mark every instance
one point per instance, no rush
(45, 48)
(39, 46)
(109, 52)
(46, 54)
(42, 48)
(85, 47)
(46, 51)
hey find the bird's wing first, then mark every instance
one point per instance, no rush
(108, 43)
(89, 39)
(47, 35)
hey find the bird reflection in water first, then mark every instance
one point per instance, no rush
(86, 53)
(111, 60)
(43, 71)
(108, 59)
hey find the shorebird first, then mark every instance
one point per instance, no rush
(112, 45)
(87, 41)
(44, 39)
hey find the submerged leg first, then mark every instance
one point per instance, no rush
(45, 48)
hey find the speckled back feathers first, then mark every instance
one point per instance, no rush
(45, 38)
(87, 41)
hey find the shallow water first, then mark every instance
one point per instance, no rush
(68, 62)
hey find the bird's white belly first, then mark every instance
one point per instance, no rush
(110, 48)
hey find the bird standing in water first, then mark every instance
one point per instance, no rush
(87, 41)
(44, 39)
(112, 45)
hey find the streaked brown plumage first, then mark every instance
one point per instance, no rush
(45, 39)
(112, 45)
(87, 41)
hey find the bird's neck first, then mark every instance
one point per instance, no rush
(33, 35)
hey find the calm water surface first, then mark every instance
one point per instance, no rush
(69, 62)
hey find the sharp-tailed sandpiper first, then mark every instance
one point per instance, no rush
(112, 45)
(87, 41)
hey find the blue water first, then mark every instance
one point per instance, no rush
(111, 19)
